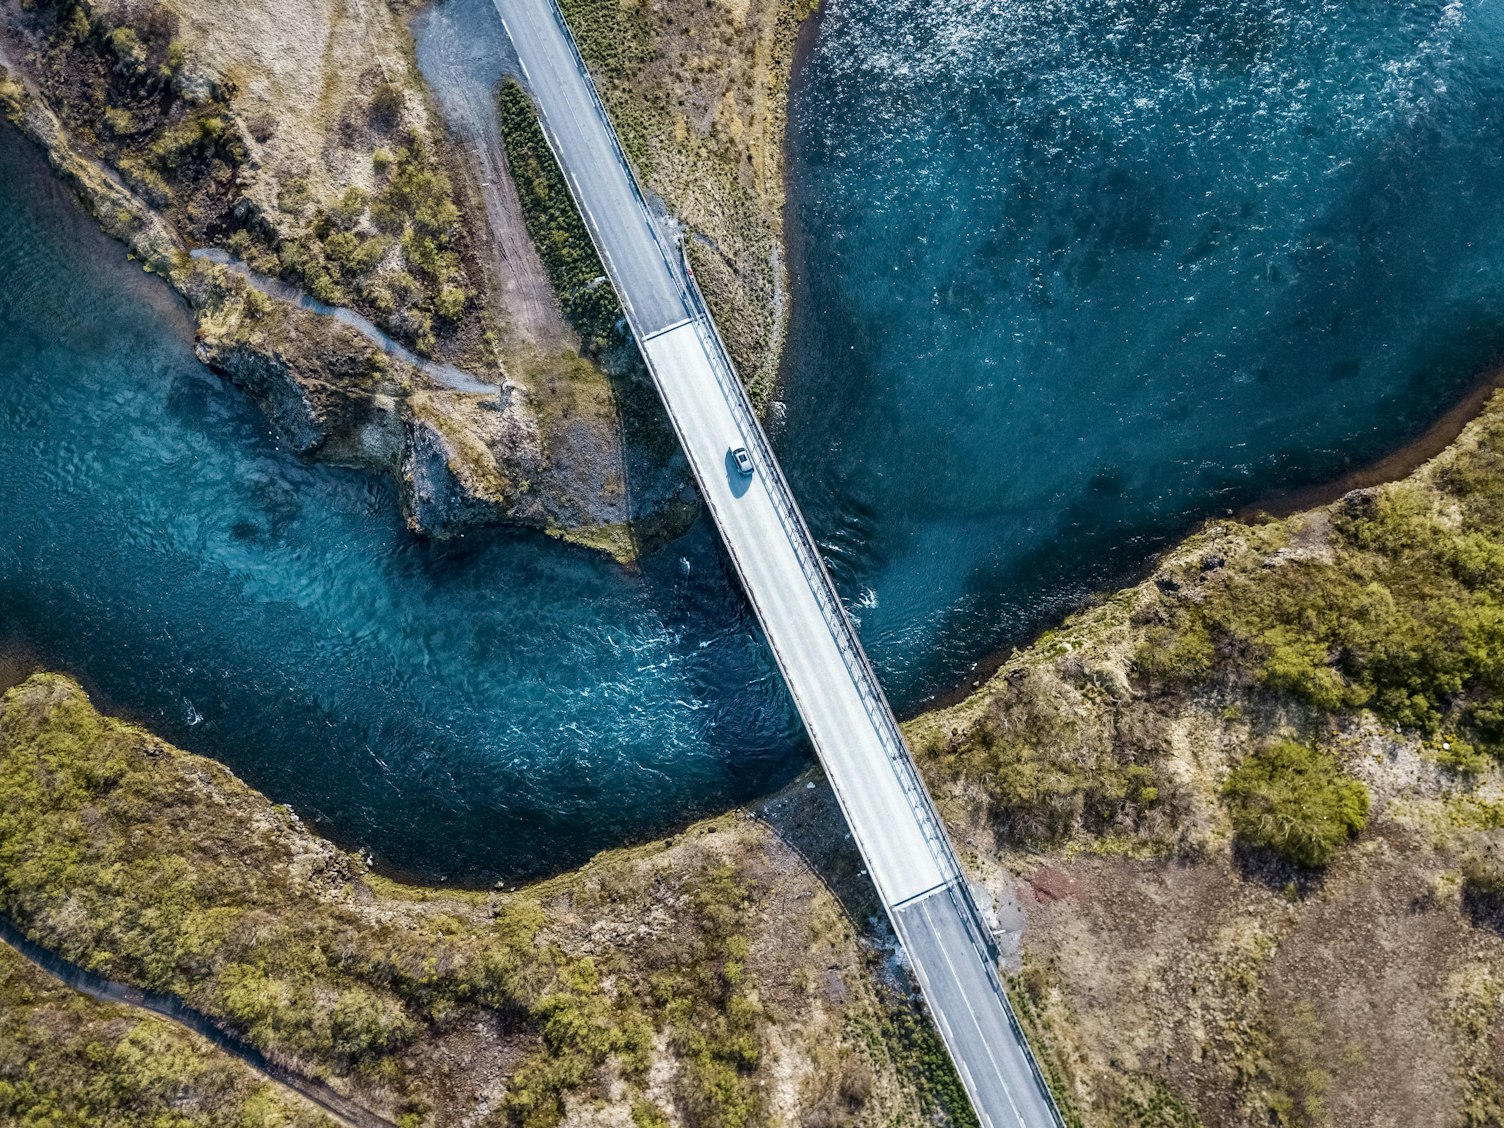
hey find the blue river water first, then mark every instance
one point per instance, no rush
(500, 706)
(1074, 275)
(1068, 278)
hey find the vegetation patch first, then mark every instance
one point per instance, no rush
(557, 229)
(1400, 611)
(1047, 776)
(703, 995)
(105, 858)
(1295, 800)
(124, 80)
(1028, 993)
(1483, 884)
(697, 90)
(1474, 1003)
(65, 1060)
(12, 96)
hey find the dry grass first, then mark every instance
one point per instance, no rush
(1181, 972)
(65, 1059)
(698, 91)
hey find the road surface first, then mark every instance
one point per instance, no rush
(849, 722)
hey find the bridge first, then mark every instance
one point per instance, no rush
(849, 721)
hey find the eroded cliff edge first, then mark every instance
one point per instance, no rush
(298, 141)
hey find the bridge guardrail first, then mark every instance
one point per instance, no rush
(811, 563)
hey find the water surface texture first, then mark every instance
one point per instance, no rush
(502, 705)
(1072, 276)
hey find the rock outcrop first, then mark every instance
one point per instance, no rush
(297, 138)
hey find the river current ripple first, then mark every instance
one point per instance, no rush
(1069, 276)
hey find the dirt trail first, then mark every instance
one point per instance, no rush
(446, 374)
(340, 1107)
(463, 53)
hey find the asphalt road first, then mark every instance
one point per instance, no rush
(854, 733)
(635, 259)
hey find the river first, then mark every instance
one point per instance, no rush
(1071, 277)
(1068, 278)
(498, 706)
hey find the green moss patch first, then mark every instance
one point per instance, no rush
(1295, 800)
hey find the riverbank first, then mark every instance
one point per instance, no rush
(712, 978)
(1214, 795)
(1393, 467)
(1170, 970)
(344, 199)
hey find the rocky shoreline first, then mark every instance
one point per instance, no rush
(546, 453)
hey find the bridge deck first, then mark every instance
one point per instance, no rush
(854, 732)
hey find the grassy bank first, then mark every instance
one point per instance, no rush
(174, 98)
(708, 981)
(698, 93)
(1216, 791)
(65, 1059)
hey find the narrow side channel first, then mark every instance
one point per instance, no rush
(171, 1007)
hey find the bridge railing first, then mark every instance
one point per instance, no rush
(811, 562)
(833, 611)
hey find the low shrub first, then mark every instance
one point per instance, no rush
(1048, 776)
(1294, 800)
(1483, 886)
(1400, 612)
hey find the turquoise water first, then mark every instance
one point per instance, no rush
(1070, 277)
(503, 705)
